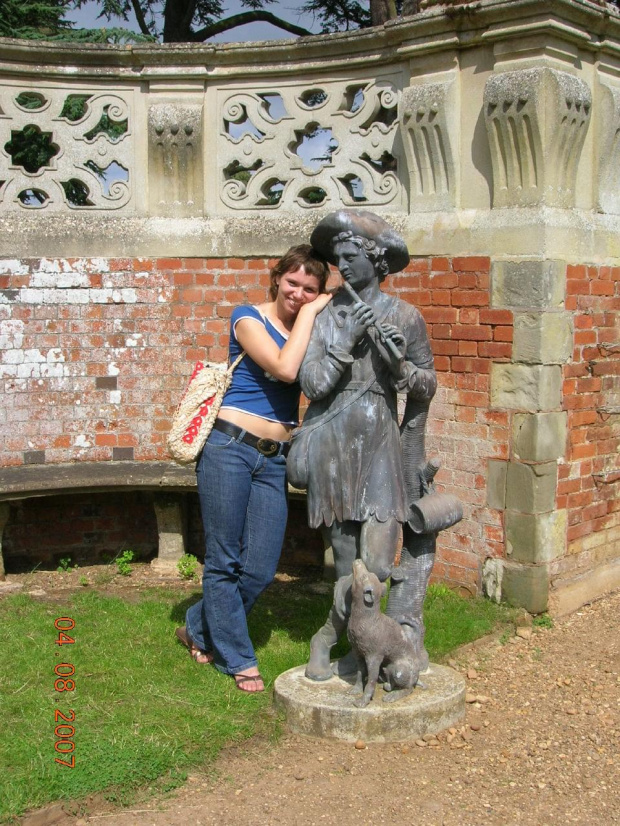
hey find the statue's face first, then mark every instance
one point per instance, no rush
(354, 265)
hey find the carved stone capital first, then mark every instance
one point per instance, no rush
(536, 121)
(425, 112)
(609, 149)
(175, 160)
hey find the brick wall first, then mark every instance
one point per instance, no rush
(466, 337)
(95, 353)
(588, 485)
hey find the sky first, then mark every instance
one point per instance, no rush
(86, 18)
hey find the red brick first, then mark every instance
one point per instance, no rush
(235, 263)
(418, 265)
(467, 348)
(607, 368)
(583, 452)
(441, 297)
(494, 350)
(445, 348)
(468, 280)
(191, 296)
(168, 264)
(442, 363)
(105, 439)
(472, 398)
(442, 315)
(581, 417)
(441, 265)
(182, 279)
(468, 315)
(577, 287)
(588, 385)
(602, 288)
(410, 282)
(502, 334)
(575, 271)
(470, 298)
(441, 331)
(472, 333)
(488, 316)
(579, 530)
(473, 264)
(470, 365)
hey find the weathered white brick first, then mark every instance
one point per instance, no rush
(13, 266)
(13, 356)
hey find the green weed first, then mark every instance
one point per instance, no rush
(187, 566)
(123, 563)
(542, 621)
(65, 565)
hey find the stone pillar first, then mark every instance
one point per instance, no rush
(525, 486)
(171, 514)
(4, 518)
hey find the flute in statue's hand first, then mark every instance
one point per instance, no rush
(387, 333)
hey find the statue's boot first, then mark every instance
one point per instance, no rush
(319, 666)
(408, 589)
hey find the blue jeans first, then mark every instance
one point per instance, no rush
(243, 501)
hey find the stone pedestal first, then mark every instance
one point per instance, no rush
(326, 709)
(170, 511)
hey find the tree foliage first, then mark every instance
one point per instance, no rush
(180, 21)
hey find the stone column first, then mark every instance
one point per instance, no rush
(525, 486)
(171, 514)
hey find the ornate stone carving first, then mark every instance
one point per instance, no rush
(65, 150)
(294, 147)
(609, 149)
(175, 160)
(426, 111)
(537, 121)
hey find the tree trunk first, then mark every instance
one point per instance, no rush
(381, 11)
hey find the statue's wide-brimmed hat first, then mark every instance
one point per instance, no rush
(366, 225)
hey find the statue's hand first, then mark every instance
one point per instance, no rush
(388, 352)
(361, 317)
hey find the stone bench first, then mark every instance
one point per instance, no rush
(169, 482)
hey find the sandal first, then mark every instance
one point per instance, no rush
(242, 679)
(194, 652)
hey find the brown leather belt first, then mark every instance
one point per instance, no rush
(268, 447)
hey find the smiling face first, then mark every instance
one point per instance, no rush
(296, 288)
(354, 264)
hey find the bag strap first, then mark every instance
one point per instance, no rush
(336, 411)
(236, 362)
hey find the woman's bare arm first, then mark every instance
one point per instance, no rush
(282, 364)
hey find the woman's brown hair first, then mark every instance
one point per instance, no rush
(301, 255)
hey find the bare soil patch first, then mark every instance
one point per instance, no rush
(540, 745)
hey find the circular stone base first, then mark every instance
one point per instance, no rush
(326, 709)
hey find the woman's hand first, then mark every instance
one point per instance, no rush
(313, 308)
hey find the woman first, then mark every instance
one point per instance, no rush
(241, 471)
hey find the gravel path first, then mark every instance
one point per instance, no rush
(540, 745)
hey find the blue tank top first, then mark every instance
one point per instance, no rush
(253, 390)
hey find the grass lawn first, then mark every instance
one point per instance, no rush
(143, 712)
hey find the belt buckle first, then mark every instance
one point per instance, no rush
(268, 447)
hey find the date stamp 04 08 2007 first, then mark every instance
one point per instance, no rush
(64, 745)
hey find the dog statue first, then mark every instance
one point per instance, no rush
(378, 642)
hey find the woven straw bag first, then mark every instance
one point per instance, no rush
(198, 409)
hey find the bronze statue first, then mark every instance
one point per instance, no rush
(362, 476)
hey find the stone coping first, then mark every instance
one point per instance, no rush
(31, 481)
(433, 29)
